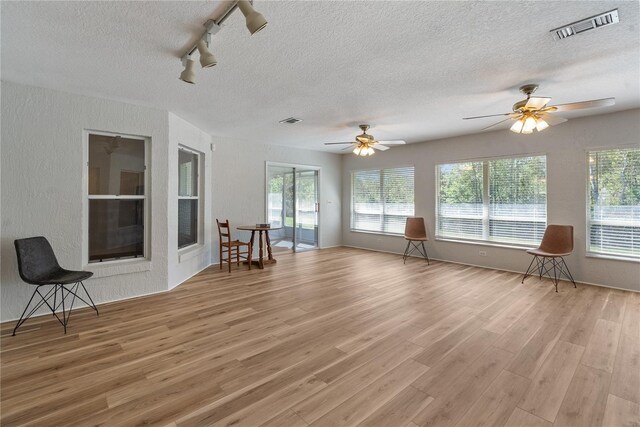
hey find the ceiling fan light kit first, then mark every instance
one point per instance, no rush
(533, 113)
(365, 144)
(527, 123)
(254, 21)
(363, 150)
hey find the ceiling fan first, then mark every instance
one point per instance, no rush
(533, 113)
(364, 144)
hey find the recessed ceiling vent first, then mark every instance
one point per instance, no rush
(592, 23)
(291, 120)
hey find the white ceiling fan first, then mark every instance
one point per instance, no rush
(533, 114)
(365, 144)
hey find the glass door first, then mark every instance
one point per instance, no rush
(306, 209)
(292, 203)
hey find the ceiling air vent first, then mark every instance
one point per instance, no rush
(291, 120)
(587, 24)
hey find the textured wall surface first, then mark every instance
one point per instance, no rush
(42, 173)
(566, 148)
(239, 185)
(189, 261)
(42, 187)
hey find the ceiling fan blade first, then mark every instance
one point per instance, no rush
(347, 148)
(551, 119)
(482, 117)
(338, 143)
(593, 103)
(495, 124)
(393, 142)
(536, 102)
(379, 147)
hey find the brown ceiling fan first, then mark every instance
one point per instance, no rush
(365, 144)
(533, 113)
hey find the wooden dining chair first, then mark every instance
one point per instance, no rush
(232, 248)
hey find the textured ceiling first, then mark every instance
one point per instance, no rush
(410, 69)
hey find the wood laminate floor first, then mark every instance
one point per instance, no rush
(335, 337)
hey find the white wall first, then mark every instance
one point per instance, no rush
(239, 185)
(43, 186)
(565, 146)
(43, 193)
(188, 261)
(42, 173)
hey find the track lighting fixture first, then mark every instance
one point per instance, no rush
(188, 75)
(255, 22)
(206, 58)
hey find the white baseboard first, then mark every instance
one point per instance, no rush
(491, 268)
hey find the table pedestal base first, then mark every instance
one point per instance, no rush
(261, 261)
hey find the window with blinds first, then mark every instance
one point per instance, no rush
(382, 199)
(188, 198)
(498, 200)
(614, 203)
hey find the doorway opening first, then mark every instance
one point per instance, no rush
(292, 196)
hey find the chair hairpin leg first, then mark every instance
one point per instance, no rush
(406, 251)
(411, 247)
(64, 318)
(89, 296)
(555, 274)
(548, 265)
(52, 293)
(20, 321)
(43, 300)
(527, 273)
(540, 266)
(425, 254)
(568, 273)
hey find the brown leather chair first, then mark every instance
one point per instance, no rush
(415, 233)
(557, 243)
(231, 248)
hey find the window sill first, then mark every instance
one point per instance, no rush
(379, 233)
(190, 252)
(114, 268)
(485, 243)
(612, 257)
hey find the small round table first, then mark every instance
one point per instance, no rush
(253, 228)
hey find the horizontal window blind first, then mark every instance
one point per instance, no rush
(460, 207)
(382, 199)
(499, 200)
(517, 199)
(614, 202)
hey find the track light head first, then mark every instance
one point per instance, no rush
(188, 75)
(255, 20)
(206, 57)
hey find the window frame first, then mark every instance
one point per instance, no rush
(351, 202)
(486, 203)
(146, 254)
(200, 181)
(588, 252)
